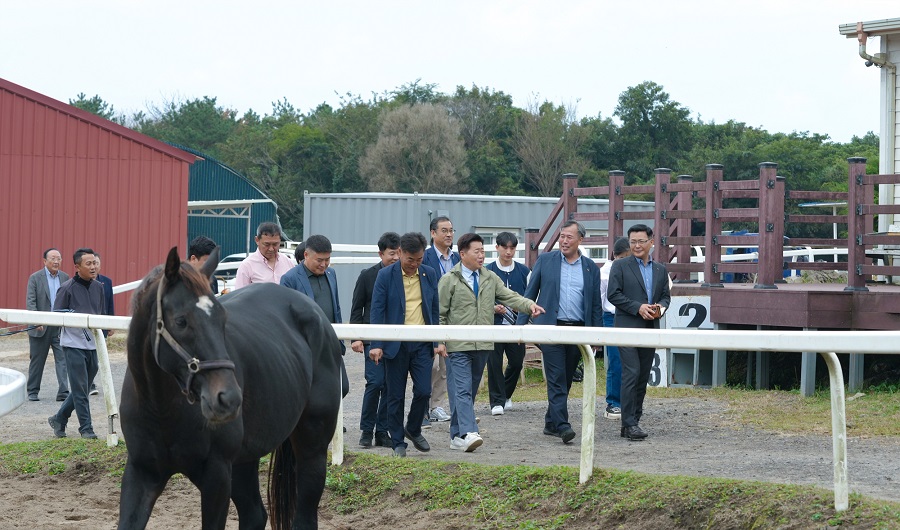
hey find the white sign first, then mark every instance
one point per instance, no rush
(688, 312)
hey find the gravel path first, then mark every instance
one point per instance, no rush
(688, 436)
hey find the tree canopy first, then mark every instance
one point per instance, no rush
(475, 140)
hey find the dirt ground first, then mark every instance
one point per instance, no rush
(691, 436)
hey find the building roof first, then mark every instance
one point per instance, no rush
(874, 28)
(96, 121)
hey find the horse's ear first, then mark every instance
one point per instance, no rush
(173, 265)
(209, 267)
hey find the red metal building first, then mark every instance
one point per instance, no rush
(71, 179)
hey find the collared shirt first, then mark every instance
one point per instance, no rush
(412, 288)
(647, 275)
(604, 286)
(571, 290)
(446, 262)
(52, 284)
(255, 269)
(321, 292)
(468, 276)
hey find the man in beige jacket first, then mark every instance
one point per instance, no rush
(467, 294)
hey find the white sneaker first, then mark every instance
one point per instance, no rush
(439, 414)
(468, 444)
(508, 405)
(497, 410)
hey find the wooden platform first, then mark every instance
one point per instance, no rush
(801, 305)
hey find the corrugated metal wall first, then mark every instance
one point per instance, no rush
(212, 180)
(361, 218)
(70, 179)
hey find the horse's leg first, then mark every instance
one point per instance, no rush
(140, 490)
(214, 484)
(309, 442)
(246, 497)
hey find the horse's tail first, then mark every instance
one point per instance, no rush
(282, 493)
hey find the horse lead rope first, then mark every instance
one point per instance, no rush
(194, 365)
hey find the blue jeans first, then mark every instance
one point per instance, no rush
(82, 367)
(374, 402)
(464, 371)
(613, 368)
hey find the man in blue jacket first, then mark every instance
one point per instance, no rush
(406, 293)
(441, 257)
(566, 284)
(314, 278)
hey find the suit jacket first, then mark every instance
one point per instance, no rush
(543, 287)
(37, 297)
(389, 301)
(626, 291)
(297, 280)
(430, 258)
(361, 307)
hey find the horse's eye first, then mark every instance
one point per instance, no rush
(181, 322)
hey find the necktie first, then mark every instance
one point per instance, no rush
(475, 283)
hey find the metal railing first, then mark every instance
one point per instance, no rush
(823, 342)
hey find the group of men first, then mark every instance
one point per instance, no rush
(417, 284)
(74, 349)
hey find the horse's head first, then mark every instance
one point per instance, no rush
(188, 341)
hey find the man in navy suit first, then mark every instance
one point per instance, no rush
(314, 278)
(639, 288)
(406, 293)
(374, 403)
(440, 257)
(40, 296)
(567, 285)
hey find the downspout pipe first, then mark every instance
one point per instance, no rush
(888, 139)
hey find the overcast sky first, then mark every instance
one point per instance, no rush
(776, 64)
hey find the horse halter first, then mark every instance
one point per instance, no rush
(194, 365)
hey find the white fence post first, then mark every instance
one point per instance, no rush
(109, 388)
(588, 416)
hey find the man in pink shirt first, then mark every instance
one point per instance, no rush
(266, 265)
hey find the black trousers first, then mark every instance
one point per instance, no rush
(636, 365)
(502, 384)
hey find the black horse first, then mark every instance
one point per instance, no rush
(208, 399)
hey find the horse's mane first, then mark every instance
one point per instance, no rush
(196, 283)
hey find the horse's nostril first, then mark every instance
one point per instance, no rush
(229, 399)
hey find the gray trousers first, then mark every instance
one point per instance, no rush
(82, 369)
(464, 371)
(38, 348)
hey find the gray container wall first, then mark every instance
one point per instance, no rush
(361, 218)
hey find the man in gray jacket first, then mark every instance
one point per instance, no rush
(40, 295)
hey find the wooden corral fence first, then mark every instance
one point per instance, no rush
(675, 214)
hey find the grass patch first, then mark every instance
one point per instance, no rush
(479, 496)
(56, 457)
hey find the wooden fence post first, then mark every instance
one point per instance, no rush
(713, 257)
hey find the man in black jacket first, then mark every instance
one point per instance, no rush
(374, 404)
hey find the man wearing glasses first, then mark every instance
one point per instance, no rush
(266, 265)
(40, 296)
(566, 284)
(639, 288)
(440, 257)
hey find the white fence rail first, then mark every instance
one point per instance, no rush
(823, 342)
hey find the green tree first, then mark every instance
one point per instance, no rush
(548, 141)
(418, 149)
(96, 105)
(198, 123)
(655, 130)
